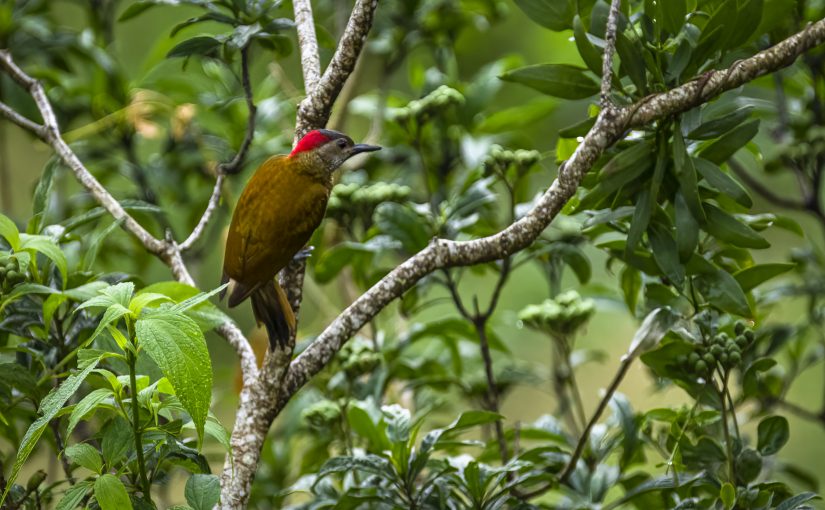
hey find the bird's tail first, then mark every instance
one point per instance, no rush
(271, 307)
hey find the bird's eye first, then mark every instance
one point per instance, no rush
(342, 143)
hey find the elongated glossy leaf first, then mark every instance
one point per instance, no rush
(177, 345)
(687, 237)
(553, 14)
(686, 174)
(672, 14)
(111, 494)
(725, 227)
(797, 501)
(666, 253)
(557, 80)
(41, 196)
(44, 245)
(723, 292)
(201, 45)
(630, 53)
(720, 125)
(590, 55)
(49, 408)
(726, 184)
(753, 276)
(625, 167)
(726, 146)
(653, 328)
(631, 282)
(748, 18)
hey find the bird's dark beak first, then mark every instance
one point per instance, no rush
(358, 148)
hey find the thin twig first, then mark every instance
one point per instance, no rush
(236, 164)
(763, 190)
(614, 385)
(609, 49)
(492, 388)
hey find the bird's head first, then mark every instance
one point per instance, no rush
(330, 148)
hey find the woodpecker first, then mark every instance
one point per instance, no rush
(279, 208)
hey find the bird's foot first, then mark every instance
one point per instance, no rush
(304, 254)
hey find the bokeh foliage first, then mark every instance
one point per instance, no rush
(105, 363)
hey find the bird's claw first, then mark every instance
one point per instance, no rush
(304, 254)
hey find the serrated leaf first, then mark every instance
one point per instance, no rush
(49, 408)
(205, 313)
(86, 406)
(117, 440)
(556, 80)
(74, 495)
(111, 494)
(84, 455)
(176, 344)
(202, 491)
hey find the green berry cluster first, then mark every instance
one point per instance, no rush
(346, 197)
(11, 274)
(719, 350)
(428, 106)
(500, 158)
(561, 316)
(358, 358)
(322, 414)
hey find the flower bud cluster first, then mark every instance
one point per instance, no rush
(428, 106)
(11, 274)
(562, 316)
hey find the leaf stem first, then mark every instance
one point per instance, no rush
(132, 359)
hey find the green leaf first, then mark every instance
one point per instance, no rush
(205, 313)
(84, 455)
(672, 14)
(686, 174)
(41, 196)
(202, 491)
(117, 440)
(653, 328)
(49, 408)
(557, 80)
(88, 404)
(625, 167)
(580, 128)
(724, 183)
(686, 226)
(111, 494)
(369, 463)
(723, 148)
(773, 432)
(209, 16)
(720, 125)
(725, 227)
(405, 224)
(728, 495)
(753, 276)
(44, 245)
(553, 14)
(8, 230)
(74, 495)
(723, 292)
(176, 344)
(90, 255)
(591, 56)
(110, 317)
(797, 501)
(517, 117)
(631, 54)
(201, 45)
(631, 282)
(748, 18)
(666, 253)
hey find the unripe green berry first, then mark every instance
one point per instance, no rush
(741, 341)
(693, 357)
(709, 358)
(717, 349)
(701, 367)
(739, 328)
(723, 358)
(749, 335)
(735, 358)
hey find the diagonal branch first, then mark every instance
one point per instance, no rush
(609, 127)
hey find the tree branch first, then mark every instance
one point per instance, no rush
(314, 110)
(166, 250)
(308, 43)
(609, 49)
(609, 127)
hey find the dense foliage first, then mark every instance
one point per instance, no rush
(104, 364)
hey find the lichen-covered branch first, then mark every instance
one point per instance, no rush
(308, 43)
(609, 49)
(609, 127)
